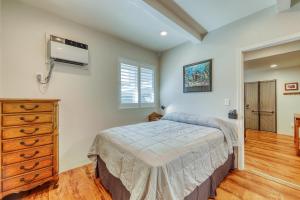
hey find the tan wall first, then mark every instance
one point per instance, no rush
(89, 98)
(222, 46)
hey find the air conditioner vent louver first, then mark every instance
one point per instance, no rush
(68, 51)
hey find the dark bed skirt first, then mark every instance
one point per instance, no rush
(204, 191)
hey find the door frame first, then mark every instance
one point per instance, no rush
(240, 86)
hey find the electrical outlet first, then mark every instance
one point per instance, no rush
(226, 102)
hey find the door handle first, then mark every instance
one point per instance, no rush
(32, 132)
(267, 111)
(29, 108)
(29, 120)
(30, 144)
(261, 111)
(29, 156)
(29, 180)
(29, 168)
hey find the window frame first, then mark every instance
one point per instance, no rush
(139, 65)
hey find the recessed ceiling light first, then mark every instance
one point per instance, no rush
(273, 66)
(164, 33)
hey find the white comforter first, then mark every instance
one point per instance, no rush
(167, 159)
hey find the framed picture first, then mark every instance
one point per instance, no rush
(291, 86)
(197, 77)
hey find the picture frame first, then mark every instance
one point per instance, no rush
(197, 77)
(291, 86)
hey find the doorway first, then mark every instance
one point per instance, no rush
(269, 109)
(260, 106)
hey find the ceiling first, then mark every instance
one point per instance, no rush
(213, 14)
(134, 22)
(291, 59)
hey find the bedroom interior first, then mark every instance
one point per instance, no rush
(149, 99)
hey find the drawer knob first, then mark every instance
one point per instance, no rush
(28, 132)
(29, 168)
(29, 108)
(29, 180)
(29, 120)
(29, 156)
(30, 144)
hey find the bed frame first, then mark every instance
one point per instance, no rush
(204, 191)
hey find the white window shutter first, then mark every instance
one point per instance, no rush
(129, 85)
(147, 86)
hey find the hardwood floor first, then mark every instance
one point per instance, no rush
(248, 186)
(272, 154)
(76, 184)
(80, 184)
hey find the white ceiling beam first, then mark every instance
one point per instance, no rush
(294, 2)
(283, 5)
(176, 14)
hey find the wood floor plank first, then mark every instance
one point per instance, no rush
(273, 154)
(80, 184)
(269, 153)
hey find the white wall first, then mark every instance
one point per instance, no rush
(89, 98)
(222, 46)
(287, 105)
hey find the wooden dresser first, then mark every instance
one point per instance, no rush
(29, 144)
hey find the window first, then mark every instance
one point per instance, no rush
(136, 85)
(147, 83)
(129, 84)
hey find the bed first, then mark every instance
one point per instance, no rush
(179, 157)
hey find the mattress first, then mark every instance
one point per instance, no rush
(166, 159)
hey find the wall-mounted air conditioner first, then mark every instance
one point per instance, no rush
(68, 51)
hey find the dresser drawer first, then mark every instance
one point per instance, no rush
(25, 179)
(15, 120)
(25, 143)
(27, 107)
(27, 166)
(28, 154)
(26, 131)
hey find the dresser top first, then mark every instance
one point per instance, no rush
(28, 100)
(297, 115)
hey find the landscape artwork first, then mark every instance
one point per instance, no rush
(197, 77)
